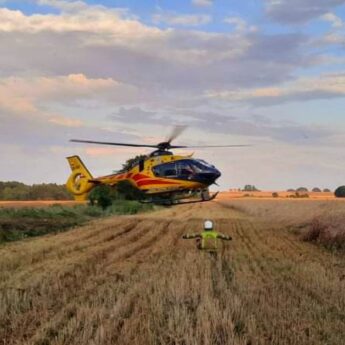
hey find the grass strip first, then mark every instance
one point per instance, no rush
(20, 223)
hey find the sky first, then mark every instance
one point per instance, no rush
(266, 73)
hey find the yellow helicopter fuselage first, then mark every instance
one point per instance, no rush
(145, 175)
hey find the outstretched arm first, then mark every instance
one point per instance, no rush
(191, 236)
(224, 237)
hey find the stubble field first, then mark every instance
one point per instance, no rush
(38, 203)
(133, 280)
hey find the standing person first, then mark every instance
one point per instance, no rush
(208, 239)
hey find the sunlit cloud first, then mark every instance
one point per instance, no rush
(66, 121)
(27, 94)
(202, 3)
(302, 89)
(334, 20)
(99, 20)
(175, 19)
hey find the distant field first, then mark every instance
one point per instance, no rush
(133, 280)
(221, 196)
(268, 194)
(39, 203)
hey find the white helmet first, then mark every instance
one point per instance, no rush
(208, 225)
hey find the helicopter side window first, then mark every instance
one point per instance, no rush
(157, 171)
(170, 172)
(185, 169)
(165, 170)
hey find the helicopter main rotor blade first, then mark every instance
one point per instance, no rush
(111, 143)
(176, 132)
(206, 146)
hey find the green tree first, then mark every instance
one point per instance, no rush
(340, 192)
(302, 190)
(326, 190)
(102, 196)
(15, 192)
(130, 163)
(316, 190)
(105, 195)
(127, 191)
(50, 191)
(19, 191)
(250, 188)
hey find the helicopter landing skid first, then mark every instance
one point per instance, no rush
(210, 198)
(171, 202)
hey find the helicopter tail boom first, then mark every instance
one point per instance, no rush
(79, 183)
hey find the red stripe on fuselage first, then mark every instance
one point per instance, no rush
(148, 182)
(138, 177)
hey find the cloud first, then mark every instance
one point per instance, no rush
(175, 19)
(223, 122)
(303, 89)
(34, 110)
(299, 11)
(202, 3)
(335, 21)
(106, 151)
(64, 5)
(179, 61)
(66, 122)
(91, 72)
(28, 94)
(35, 151)
(240, 24)
(102, 43)
(125, 114)
(90, 19)
(333, 38)
(41, 131)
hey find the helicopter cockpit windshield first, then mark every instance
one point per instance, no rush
(202, 162)
(190, 169)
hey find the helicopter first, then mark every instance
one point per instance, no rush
(163, 177)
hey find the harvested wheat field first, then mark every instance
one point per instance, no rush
(38, 203)
(133, 280)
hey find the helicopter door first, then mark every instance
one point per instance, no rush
(141, 164)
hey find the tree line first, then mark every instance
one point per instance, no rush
(301, 191)
(252, 188)
(45, 191)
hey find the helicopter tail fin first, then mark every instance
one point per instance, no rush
(79, 183)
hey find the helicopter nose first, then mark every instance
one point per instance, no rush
(211, 176)
(217, 174)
